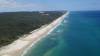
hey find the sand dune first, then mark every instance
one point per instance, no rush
(20, 46)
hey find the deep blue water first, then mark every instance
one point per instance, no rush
(78, 35)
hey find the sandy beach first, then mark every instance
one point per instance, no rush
(20, 46)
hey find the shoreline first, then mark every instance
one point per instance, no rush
(22, 45)
(44, 35)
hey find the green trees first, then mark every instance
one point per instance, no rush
(14, 24)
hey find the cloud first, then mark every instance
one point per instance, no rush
(13, 4)
(7, 3)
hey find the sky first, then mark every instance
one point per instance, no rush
(42, 5)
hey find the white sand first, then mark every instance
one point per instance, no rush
(20, 46)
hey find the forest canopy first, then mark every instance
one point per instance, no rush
(14, 24)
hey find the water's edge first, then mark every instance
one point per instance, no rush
(62, 17)
(21, 46)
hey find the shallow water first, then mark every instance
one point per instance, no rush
(78, 35)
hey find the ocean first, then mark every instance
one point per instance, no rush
(78, 35)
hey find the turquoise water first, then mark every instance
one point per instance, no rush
(78, 35)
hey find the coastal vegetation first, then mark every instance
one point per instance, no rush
(15, 24)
